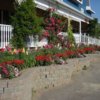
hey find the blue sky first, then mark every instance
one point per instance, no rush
(95, 4)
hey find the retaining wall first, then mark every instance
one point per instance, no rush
(37, 78)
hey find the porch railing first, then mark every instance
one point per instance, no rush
(86, 39)
(5, 35)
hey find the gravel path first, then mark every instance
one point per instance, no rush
(85, 85)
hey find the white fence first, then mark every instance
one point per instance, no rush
(5, 35)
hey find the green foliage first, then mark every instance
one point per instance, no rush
(25, 23)
(6, 56)
(71, 39)
(29, 60)
(97, 34)
(94, 28)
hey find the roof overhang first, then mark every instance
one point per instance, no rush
(67, 6)
(63, 4)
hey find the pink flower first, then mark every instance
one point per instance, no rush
(51, 9)
(46, 33)
(2, 49)
(4, 70)
(8, 48)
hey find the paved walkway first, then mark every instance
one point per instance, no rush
(84, 86)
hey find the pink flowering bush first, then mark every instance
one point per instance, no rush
(53, 25)
(8, 71)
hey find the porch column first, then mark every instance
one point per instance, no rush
(88, 39)
(84, 38)
(80, 30)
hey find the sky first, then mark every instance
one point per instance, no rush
(95, 5)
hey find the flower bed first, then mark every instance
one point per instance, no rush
(12, 60)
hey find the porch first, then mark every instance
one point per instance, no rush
(6, 35)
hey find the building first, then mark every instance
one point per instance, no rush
(79, 11)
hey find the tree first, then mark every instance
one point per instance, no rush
(25, 23)
(97, 34)
(71, 40)
(92, 27)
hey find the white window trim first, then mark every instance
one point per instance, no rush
(88, 8)
(81, 2)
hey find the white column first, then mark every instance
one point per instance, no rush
(84, 38)
(80, 30)
(6, 35)
(88, 39)
(0, 36)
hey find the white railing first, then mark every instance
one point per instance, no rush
(5, 35)
(34, 42)
(83, 38)
(86, 39)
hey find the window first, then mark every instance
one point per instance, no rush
(88, 7)
(88, 3)
(78, 1)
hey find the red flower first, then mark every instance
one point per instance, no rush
(8, 48)
(2, 50)
(4, 70)
(19, 50)
(59, 54)
(46, 33)
(51, 9)
(9, 62)
(43, 58)
(18, 62)
(39, 58)
(69, 53)
(59, 21)
(48, 46)
(81, 51)
(2, 64)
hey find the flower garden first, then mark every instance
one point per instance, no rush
(12, 61)
(59, 48)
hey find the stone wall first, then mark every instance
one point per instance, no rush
(37, 78)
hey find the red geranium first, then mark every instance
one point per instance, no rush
(18, 62)
(59, 54)
(46, 33)
(2, 50)
(43, 58)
